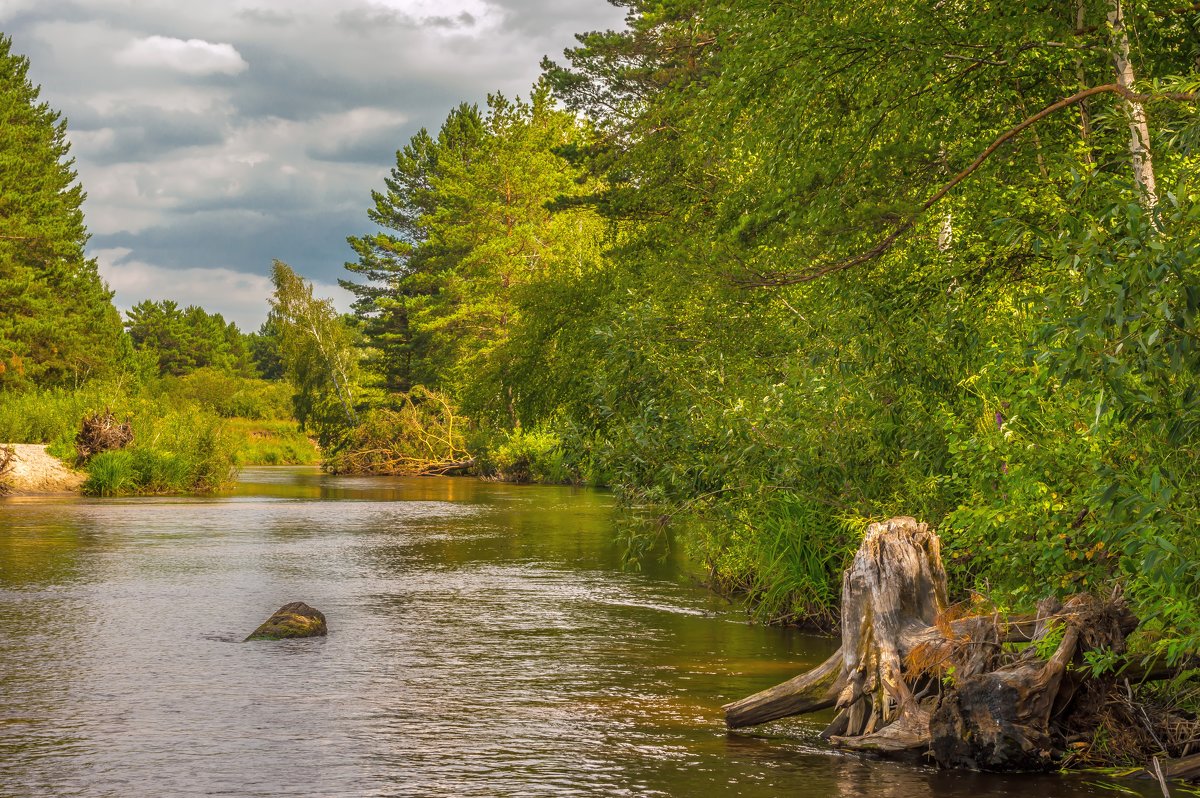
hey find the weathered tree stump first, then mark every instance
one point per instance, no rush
(910, 678)
(291, 620)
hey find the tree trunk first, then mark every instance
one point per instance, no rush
(1139, 130)
(1085, 118)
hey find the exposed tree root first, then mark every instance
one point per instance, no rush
(911, 678)
(101, 432)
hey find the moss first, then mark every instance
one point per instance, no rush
(291, 621)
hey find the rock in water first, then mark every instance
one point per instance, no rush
(291, 620)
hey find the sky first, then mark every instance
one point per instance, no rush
(213, 137)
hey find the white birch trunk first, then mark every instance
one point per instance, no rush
(1139, 139)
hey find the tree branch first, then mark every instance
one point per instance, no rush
(885, 244)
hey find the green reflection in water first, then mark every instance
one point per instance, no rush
(484, 640)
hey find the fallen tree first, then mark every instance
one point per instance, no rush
(911, 678)
(421, 436)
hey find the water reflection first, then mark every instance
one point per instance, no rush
(483, 642)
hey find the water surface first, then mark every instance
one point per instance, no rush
(484, 641)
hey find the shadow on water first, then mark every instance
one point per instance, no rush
(484, 641)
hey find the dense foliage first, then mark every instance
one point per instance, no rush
(182, 340)
(790, 268)
(473, 263)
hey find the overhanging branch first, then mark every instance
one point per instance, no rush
(886, 243)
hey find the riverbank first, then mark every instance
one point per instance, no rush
(32, 470)
(178, 443)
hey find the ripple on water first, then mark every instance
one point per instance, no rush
(483, 641)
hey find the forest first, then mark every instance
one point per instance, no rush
(770, 272)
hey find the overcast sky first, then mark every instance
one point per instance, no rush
(214, 136)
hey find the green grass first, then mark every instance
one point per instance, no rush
(272, 443)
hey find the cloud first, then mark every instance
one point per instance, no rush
(212, 137)
(238, 296)
(361, 135)
(191, 57)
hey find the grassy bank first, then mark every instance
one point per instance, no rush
(272, 442)
(184, 441)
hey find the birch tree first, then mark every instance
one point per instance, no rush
(318, 356)
(1139, 130)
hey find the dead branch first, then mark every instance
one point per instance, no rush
(101, 432)
(8, 456)
(421, 437)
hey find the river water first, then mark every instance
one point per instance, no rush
(484, 641)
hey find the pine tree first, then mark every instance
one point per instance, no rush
(57, 321)
(393, 260)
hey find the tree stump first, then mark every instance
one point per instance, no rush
(910, 678)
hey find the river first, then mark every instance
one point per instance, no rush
(484, 641)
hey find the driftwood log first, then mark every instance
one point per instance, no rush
(910, 678)
(8, 456)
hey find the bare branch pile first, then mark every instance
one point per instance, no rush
(422, 437)
(101, 432)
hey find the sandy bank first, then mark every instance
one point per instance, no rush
(33, 471)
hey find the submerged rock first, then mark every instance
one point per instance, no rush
(291, 620)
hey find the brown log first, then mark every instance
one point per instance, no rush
(818, 689)
(1187, 768)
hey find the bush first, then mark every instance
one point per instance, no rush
(785, 554)
(230, 396)
(273, 443)
(182, 451)
(110, 474)
(534, 456)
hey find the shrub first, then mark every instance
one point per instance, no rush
(229, 395)
(531, 456)
(273, 443)
(110, 474)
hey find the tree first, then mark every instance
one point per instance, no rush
(395, 262)
(57, 321)
(188, 339)
(477, 241)
(317, 351)
(976, 310)
(264, 350)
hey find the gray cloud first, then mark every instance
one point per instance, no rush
(214, 137)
